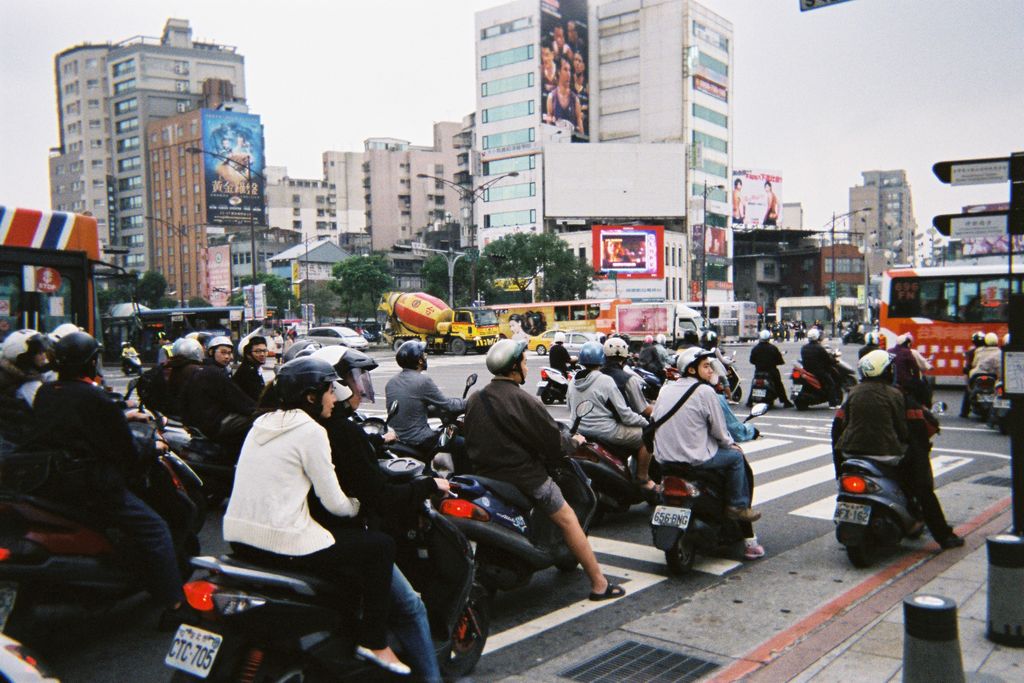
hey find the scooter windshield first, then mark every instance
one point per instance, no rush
(364, 382)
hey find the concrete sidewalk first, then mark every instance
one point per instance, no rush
(808, 615)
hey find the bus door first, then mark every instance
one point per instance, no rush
(41, 289)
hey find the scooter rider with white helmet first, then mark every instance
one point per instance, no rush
(766, 358)
(214, 404)
(511, 436)
(696, 433)
(558, 356)
(616, 351)
(819, 362)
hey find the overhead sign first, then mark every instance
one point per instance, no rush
(815, 4)
(973, 171)
(972, 225)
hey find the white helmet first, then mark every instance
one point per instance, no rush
(691, 355)
(1006, 339)
(187, 348)
(616, 347)
(23, 342)
(660, 339)
(62, 330)
(874, 364)
(764, 335)
(559, 337)
(219, 340)
(813, 334)
(991, 339)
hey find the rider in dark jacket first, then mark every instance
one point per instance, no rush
(766, 358)
(248, 375)
(819, 362)
(214, 404)
(559, 357)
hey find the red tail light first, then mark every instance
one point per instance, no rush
(199, 595)
(544, 374)
(999, 389)
(759, 383)
(677, 489)
(456, 507)
(796, 374)
(4, 554)
(853, 484)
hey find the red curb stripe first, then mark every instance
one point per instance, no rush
(765, 653)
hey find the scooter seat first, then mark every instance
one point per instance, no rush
(404, 450)
(714, 478)
(253, 572)
(623, 453)
(508, 492)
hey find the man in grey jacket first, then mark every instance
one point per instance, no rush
(416, 393)
(697, 434)
(611, 421)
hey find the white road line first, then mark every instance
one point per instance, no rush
(825, 508)
(783, 487)
(791, 458)
(796, 435)
(762, 445)
(648, 553)
(769, 417)
(634, 582)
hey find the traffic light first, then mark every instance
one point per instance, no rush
(832, 288)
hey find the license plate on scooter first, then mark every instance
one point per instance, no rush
(758, 393)
(797, 389)
(852, 513)
(670, 516)
(1001, 404)
(193, 650)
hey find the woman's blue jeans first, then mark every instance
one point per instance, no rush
(408, 622)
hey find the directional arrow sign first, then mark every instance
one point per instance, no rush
(973, 171)
(815, 4)
(972, 225)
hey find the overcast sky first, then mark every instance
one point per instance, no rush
(819, 96)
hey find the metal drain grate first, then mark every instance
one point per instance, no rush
(632, 662)
(992, 480)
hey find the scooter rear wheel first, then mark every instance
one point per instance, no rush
(681, 556)
(861, 555)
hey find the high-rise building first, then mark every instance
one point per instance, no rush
(344, 170)
(106, 96)
(399, 203)
(888, 229)
(307, 205)
(554, 73)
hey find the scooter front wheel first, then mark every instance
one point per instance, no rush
(470, 635)
(861, 555)
(680, 557)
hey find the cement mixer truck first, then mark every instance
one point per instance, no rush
(416, 315)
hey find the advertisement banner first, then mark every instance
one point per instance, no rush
(709, 87)
(756, 199)
(716, 242)
(988, 246)
(637, 290)
(629, 251)
(218, 275)
(564, 66)
(233, 163)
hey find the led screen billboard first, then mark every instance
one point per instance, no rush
(629, 251)
(233, 162)
(756, 199)
(564, 66)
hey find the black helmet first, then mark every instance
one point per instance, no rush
(75, 351)
(252, 341)
(302, 376)
(409, 354)
(690, 337)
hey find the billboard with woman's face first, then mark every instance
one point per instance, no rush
(233, 161)
(564, 67)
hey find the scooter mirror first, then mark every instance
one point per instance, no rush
(939, 408)
(758, 410)
(471, 380)
(392, 409)
(584, 408)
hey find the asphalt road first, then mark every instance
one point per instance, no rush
(551, 616)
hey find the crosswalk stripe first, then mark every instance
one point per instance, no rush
(782, 487)
(648, 553)
(635, 581)
(762, 445)
(791, 458)
(825, 508)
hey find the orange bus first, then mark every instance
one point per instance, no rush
(942, 307)
(585, 315)
(47, 270)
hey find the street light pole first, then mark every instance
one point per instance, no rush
(832, 287)
(468, 197)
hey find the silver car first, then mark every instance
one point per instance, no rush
(574, 341)
(333, 336)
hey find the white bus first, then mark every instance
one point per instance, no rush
(732, 319)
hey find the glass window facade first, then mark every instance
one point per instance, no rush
(507, 111)
(507, 218)
(509, 84)
(517, 191)
(718, 66)
(511, 137)
(710, 141)
(511, 56)
(523, 163)
(710, 115)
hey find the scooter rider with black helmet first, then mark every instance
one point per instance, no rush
(510, 436)
(416, 393)
(214, 404)
(75, 413)
(248, 375)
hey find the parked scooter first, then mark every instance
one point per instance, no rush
(552, 386)
(999, 413)
(514, 540)
(55, 554)
(692, 517)
(872, 509)
(255, 623)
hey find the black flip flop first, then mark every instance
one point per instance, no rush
(613, 591)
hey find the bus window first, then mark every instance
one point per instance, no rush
(906, 298)
(10, 303)
(937, 299)
(579, 313)
(593, 311)
(994, 298)
(561, 313)
(969, 302)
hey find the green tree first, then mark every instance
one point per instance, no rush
(360, 281)
(151, 288)
(435, 278)
(325, 300)
(278, 291)
(119, 290)
(523, 258)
